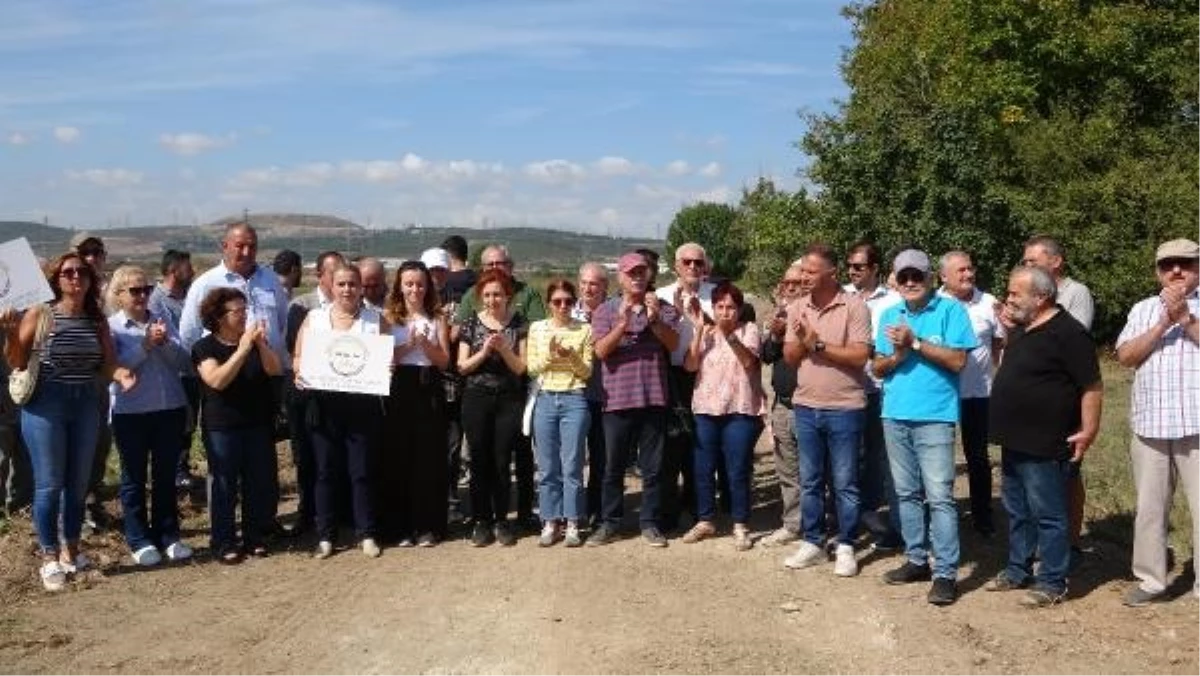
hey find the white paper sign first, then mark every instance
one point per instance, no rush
(347, 362)
(22, 282)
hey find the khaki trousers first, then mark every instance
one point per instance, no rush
(1157, 465)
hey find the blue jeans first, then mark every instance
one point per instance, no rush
(60, 424)
(1034, 492)
(922, 458)
(149, 437)
(560, 427)
(833, 437)
(239, 464)
(729, 440)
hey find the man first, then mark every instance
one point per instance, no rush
(1044, 415)
(975, 381)
(828, 340)
(1160, 341)
(691, 268)
(460, 282)
(863, 267)
(528, 303)
(783, 420)
(437, 261)
(166, 300)
(593, 290)
(266, 302)
(374, 281)
(288, 268)
(651, 257)
(634, 333)
(1048, 254)
(300, 439)
(921, 345)
(91, 249)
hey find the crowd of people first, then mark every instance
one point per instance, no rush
(869, 384)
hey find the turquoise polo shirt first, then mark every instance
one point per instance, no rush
(918, 390)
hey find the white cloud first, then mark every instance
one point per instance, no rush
(678, 168)
(710, 170)
(67, 134)
(615, 166)
(107, 178)
(18, 139)
(554, 171)
(192, 143)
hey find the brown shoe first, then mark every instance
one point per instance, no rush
(702, 530)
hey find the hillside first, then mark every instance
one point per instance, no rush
(310, 234)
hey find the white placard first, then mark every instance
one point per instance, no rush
(22, 282)
(347, 362)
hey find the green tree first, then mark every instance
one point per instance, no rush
(778, 225)
(712, 226)
(975, 123)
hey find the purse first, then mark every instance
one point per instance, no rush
(535, 388)
(23, 382)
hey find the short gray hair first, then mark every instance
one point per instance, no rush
(1041, 281)
(690, 245)
(951, 255)
(498, 248)
(592, 265)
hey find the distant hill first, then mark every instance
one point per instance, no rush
(309, 234)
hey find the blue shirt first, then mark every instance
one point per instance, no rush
(158, 387)
(918, 390)
(265, 300)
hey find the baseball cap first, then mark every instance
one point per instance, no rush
(911, 259)
(436, 258)
(630, 261)
(1177, 248)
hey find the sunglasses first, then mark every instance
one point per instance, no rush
(858, 267)
(562, 302)
(139, 290)
(910, 276)
(73, 273)
(692, 262)
(1169, 264)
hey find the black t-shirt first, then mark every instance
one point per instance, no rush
(458, 284)
(493, 373)
(1035, 396)
(246, 401)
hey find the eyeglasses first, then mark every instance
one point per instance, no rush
(1169, 264)
(858, 267)
(139, 290)
(909, 275)
(72, 273)
(692, 262)
(497, 264)
(562, 302)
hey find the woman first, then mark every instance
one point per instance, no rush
(414, 471)
(59, 424)
(560, 355)
(728, 404)
(236, 364)
(490, 359)
(147, 420)
(344, 426)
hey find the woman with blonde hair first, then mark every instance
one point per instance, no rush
(414, 467)
(60, 421)
(148, 419)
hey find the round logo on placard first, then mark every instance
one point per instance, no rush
(347, 355)
(5, 280)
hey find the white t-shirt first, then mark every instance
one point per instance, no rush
(667, 295)
(975, 379)
(422, 325)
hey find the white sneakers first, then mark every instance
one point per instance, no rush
(147, 556)
(806, 556)
(324, 549)
(370, 548)
(845, 564)
(54, 577)
(178, 551)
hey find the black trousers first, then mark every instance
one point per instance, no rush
(415, 494)
(596, 460)
(492, 422)
(974, 416)
(643, 429)
(345, 429)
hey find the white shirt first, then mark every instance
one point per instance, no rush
(667, 295)
(1166, 387)
(266, 300)
(975, 379)
(880, 299)
(420, 325)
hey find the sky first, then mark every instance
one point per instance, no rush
(600, 116)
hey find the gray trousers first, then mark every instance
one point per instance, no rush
(787, 464)
(1157, 465)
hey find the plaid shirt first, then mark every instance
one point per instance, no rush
(1166, 387)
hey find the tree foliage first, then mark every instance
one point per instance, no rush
(974, 124)
(714, 227)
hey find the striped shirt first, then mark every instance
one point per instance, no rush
(72, 353)
(1166, 387)
(560, 374)
(635, 374)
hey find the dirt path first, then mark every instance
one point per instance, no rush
(622, 608)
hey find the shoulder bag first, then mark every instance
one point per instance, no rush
(23, 382)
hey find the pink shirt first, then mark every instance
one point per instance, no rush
(723, 385)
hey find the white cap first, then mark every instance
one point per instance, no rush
(436, 258)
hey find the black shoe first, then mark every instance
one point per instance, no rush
(481, 535)
(1075, 560)
(505, 535)
(604, 535)
(943, 592)
(907, 574)
(528, 524)
(654, 537)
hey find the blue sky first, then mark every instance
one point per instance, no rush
(600, 116)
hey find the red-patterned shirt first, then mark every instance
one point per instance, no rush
(635, 374)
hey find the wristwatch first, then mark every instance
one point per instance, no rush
(916, 345)
(819, 346)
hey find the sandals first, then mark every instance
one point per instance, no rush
(701, 531)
